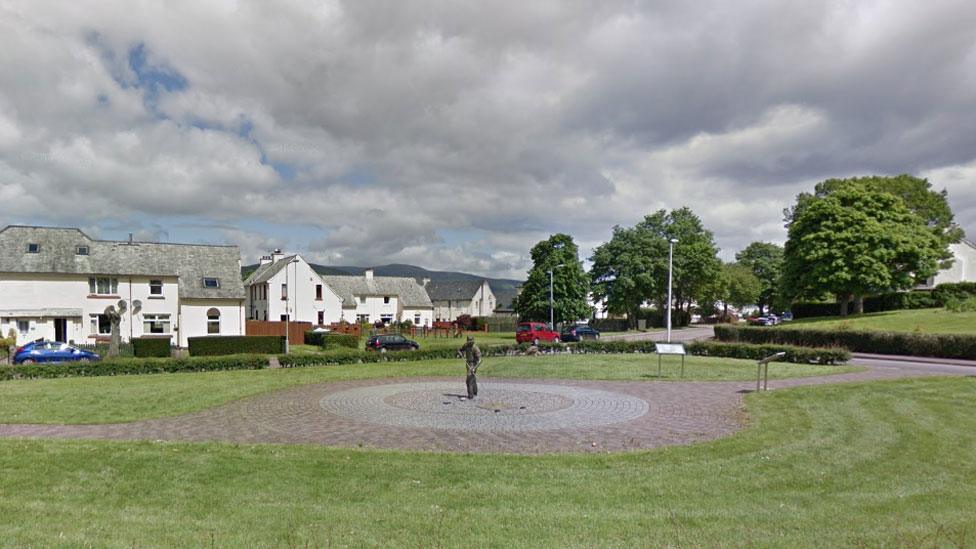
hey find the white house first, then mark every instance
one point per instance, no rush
(453, 298)
(55, 283)
(963, 267)
(371, 298)
(288, 285)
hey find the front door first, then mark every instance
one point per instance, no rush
(61, 330)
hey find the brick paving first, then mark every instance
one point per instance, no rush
(509, 416)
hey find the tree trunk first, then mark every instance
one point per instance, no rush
(859, 305)
(113, 344)
(844, 304)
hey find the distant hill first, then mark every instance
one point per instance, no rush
(505, 289)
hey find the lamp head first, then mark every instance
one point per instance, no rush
(673, 241)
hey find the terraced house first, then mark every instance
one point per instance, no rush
(55, 283)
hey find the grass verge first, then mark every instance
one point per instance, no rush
(924, 321)
(880, 464)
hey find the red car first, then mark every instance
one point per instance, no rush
(535, 332)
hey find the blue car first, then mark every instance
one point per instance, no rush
(52, 351)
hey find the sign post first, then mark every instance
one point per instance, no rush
(670, 349)
(762, 370)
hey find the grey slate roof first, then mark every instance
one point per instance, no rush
(453, 290)
(57, 254)
(411, 294)
(265, 272)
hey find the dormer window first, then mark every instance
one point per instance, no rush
(211, 282)
(81, 250)
(33, 248)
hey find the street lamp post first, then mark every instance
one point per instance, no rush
(671, 244)
(552, 324)
(291, 290)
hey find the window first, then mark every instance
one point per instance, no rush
(211, 282)
(318, 292)
(284, 291)
(155, 324)
(213, 321)
(362, 299)
(416, 319)
(103, 285)
(321, 317)
(284, 318)
(155, 287)
(23, 326)
(101, 325)
(386, 319)
(386, 299)
(33, 248)
(81, 250)
(362, 319)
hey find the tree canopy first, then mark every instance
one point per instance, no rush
(855, 242)
(633, 266)
(765, 261)
(570, 283)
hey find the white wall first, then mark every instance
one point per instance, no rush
(426, 316)
(193, 317)
(46, 291)
(301, 303)
(963, 268)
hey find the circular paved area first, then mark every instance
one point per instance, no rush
(509, 416)
(501, 407)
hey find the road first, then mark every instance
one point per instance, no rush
(690, 333)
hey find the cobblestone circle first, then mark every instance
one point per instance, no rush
(510, 407)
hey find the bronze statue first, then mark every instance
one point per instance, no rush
(472, 359)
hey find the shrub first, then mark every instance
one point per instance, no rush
(610, 324)
(130, 366)
(340, 341)
(150, 347)
(885, 343)
(956, 305)
(944, 293)
(231, 345)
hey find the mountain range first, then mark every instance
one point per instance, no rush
(505, 289)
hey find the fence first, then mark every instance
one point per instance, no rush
(296, 330)
(346, 328)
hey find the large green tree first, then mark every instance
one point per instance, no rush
(739, 287)
(570, 283)
(855, 242)
(765, 261)
(916, 193)
(633, 266)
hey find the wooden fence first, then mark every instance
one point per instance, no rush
(296, 330)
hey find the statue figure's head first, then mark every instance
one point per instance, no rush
(470, 339)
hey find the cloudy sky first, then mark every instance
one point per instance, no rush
(455, 135)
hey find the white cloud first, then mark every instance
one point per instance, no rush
(383, 130)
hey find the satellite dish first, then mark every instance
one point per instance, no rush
(136, 306)
(122, 306)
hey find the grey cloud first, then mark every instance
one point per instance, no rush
(392, 121)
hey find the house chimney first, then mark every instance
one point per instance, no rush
(265, 260)
(369, 274)
(130, 239)
(276, 255)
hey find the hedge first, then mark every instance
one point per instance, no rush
(749, 351)
(884, 343)
(728, 350)
(150, 347)
(232, 345)
(129, 366)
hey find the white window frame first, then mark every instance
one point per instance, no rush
(212, 321)
(161, 319)
(103, 285)
(156, 287)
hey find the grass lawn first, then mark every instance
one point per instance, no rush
(879, 464)
(928, 321)
(127, 398)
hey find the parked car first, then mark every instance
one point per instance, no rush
(761, 321)
(391, 342)
(579, 333)
(787, 316)
(52, 351)
(535, 333)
